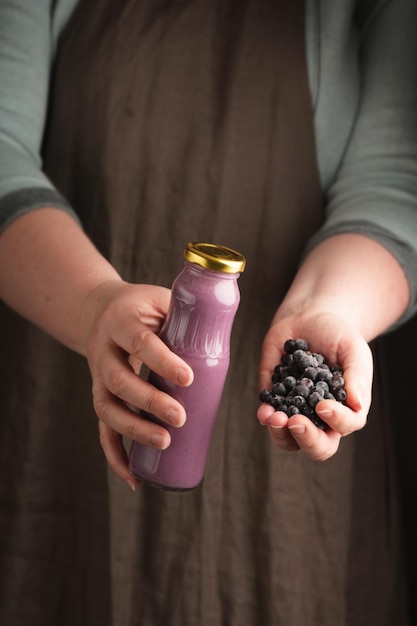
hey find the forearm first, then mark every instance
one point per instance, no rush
(354, 277)
(48, 268)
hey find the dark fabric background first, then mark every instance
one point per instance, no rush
(174, 121)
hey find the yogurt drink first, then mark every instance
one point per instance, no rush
(204, 301)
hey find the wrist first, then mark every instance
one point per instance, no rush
(351, 277)
(96, 300)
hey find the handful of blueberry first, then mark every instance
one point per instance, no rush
(301, 380)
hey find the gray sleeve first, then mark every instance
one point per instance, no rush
(375, 190)
(25, 59)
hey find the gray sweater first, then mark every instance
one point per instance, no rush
(363, 78)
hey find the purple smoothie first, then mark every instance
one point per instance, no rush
(181, 466)
(198, 327)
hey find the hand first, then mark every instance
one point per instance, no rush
(122, 338)
(339, 343)
(57, 279)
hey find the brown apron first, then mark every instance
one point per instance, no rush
(174, 121)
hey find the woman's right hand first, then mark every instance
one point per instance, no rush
(122, 338)
(53, 275)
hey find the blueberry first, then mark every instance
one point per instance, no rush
(308, 411)
(324, 374)
(298, 354)
(289, 346)
(319, 390)
(283, 372)
(292, 410)
(325, 366)
(277, 369)
(321, 384)
(278, 402)
(265, 395)
(302, 390)
(286, 358)
(318, 421)
(290, 382)
(279, 389)
(307, 382)
(314, 398)
(319, 358)
(299, 401)
(337, 382)
(301, 344)
(304, 359)
(293, 369)
(309, 361)
(311, 372)
(340, 395)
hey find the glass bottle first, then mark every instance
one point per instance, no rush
(204, 300)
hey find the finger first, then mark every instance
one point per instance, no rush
(299, 433)
(315, 443)
(140, 342)
(277, 423)
(340, 417)
(122, 382)
(264, 412)
(270, 358)
(282, 437)
(115, 453)
(356, 360)
(125, 422)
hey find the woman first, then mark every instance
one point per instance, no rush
(177, 121)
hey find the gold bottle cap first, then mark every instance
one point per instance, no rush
(214, 257)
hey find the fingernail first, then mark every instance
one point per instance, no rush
(159, 441)
(297, 429)
(131, 484)
(183, 376)
(325, 413)
(174, 417)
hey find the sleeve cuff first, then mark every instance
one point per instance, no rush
(22, 201)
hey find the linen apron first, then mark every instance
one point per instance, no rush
(174, 121)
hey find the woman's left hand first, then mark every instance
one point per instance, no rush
(339, 343)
